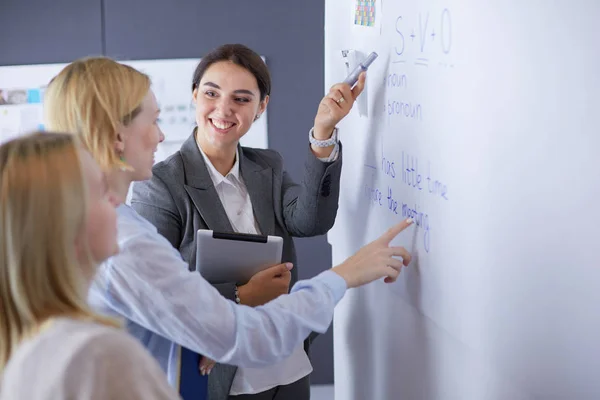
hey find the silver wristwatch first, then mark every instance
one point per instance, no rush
(323, 143)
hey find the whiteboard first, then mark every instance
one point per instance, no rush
(23, 89)
(480, 119)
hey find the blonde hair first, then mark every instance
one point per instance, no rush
(92, 97)
(42, 211)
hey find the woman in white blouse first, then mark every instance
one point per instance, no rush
(57, 221)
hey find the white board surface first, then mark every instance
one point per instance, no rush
(481, 120)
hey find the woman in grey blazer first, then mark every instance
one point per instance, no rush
(214, 183)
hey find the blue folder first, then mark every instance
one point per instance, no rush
(192, 385)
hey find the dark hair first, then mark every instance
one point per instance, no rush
(239, 55)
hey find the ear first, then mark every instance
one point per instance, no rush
(262, 107)
(195, 96)
(119, 143)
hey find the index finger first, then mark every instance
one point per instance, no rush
(391, 233)
(360, 85)
(344, 88)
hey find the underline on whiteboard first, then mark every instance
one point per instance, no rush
(422, 64)
(370, 166)
(398, 62)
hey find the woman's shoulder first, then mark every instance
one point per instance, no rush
(102, 343)
(167, 176)
(76, 356)
(169, 165)
(263, 157)
(64, 346)
(72, 337)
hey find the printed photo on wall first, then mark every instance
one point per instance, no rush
(367, 15)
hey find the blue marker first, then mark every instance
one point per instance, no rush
(363, 66)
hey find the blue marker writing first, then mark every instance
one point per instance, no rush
(363, 66)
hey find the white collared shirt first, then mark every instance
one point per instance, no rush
(236, 200)
(234, 196)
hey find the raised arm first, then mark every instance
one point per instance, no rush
(310, 208)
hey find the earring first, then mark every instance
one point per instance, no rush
(257, 117)
(122, 168)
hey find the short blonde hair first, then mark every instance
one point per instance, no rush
(92, 97)
(42, 211)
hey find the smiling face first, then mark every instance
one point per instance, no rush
(227, 102)
(138, 140)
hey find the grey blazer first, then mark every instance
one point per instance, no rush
(180, 198)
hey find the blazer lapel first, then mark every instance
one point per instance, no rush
(200, 188)
(259, 182)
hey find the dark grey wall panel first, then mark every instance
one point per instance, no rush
(41, 31)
